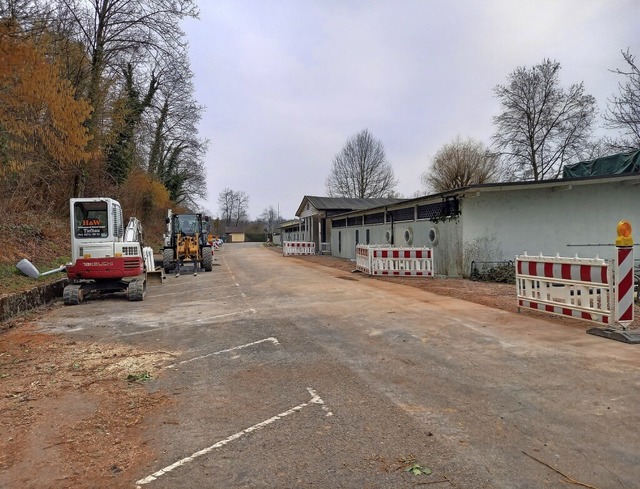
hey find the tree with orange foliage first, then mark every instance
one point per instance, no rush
(42, 136)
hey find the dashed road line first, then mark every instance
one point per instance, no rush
(315, 399)
(271, 339)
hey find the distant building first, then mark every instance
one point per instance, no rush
(234, 234)
(314, 213)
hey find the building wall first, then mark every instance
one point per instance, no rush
(235, 237)
(501, 225)
(496, 224)
(447, 254)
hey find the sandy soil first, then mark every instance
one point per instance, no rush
(496, 295)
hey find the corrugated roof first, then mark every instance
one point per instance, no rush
(344, 203)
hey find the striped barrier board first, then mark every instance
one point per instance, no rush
(405, 262)
(398, 262)
(577, 287)
(363, 259)
(291, 248)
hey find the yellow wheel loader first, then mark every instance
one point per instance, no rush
(187, 241)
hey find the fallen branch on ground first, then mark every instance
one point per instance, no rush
(569, 480)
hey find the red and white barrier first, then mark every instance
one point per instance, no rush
(363, 258)
(624, 286)
(576, 287)
(291, 248)
(400, 262)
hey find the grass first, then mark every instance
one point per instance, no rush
(12, 280)
(42, 239)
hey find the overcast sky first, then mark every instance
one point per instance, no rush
(285, 83)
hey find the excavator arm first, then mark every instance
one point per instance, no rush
(133, 232)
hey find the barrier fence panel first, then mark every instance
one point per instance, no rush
(290, 248)
(577, 287)
(363, 258)
(404, 262)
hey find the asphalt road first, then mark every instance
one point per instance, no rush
(289, 374)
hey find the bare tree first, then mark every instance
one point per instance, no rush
(175, 152)
(226, 205)
(233, 206)
(624, 109)
(271, 218)
(461, 163)
(541, 126)
(116, 32)
(29, 14)
(361, 169)
(241, 207)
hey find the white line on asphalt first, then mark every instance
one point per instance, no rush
(190, 292)
(272, 339)
(226, 315)
(315, 399)
(241, 294)
(153, 330)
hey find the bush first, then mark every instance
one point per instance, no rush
(502, 273)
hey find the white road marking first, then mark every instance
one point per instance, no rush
(272, 339)
(208, 319)
(241, 294)
(315, 399)
(226, 315)
(190, 292)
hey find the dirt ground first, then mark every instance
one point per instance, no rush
(82, 402)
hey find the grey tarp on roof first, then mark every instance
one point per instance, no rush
(617, 164)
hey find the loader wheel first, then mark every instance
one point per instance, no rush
(72, 295)
(207, 258)
(167, 260)
(136, 290)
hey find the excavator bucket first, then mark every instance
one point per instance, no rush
(156, 276)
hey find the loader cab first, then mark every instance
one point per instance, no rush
(186, 224)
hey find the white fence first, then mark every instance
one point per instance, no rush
(578, 287)
(290, 248)
(390, 261)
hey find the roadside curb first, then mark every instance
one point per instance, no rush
(12, 305)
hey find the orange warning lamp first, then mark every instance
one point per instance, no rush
(624, 234)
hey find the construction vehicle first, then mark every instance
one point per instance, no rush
(106, 256)
(187, 241)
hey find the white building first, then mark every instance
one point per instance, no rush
(496, 222)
